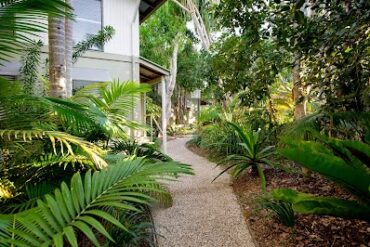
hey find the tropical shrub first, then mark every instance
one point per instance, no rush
(219, 139)
(342, 125)
(254, 155)
(195, 140)
(141, 229)
(209, 115)
(38, 155)
(345, 162)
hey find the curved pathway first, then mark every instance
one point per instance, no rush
(203, 213)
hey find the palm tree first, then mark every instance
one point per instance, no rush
(57, 57)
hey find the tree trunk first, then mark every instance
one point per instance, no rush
(172, 79)
(57, 61)
(298, 96)
(201, 30)
(199, 25)
(68, 39)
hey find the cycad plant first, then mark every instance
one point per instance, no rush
(254, 155)
(82, 206)
(345, 162)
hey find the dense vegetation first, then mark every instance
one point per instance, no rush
(286, 88)
(285, 91)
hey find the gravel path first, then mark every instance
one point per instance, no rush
(203, 213)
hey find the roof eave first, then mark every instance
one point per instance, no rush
(153, 7)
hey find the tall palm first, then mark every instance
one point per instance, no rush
(57, 57)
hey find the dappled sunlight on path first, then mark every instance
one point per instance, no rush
(203, 213)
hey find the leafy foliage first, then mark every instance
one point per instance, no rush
(20, 22)
(109, 105)
(145, 150)
(345, 162)
(78, 206)
(96, 40)
(63, 141)
(253, 155)
(333, 59)
(281, 209)
(159, 33)
(310, 204)
(28, 72)
(342, 161)
(141, 231)
(247, 65)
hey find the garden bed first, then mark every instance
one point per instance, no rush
(310, 230)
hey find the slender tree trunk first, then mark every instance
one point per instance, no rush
(199, 25)
(298, 96)
(201, 30)
(57, 61)
(68, 39)
(172, 79)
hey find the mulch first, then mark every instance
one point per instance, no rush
(309, 230)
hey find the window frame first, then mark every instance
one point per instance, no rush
(101, 26)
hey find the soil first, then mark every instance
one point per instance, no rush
(309, 230)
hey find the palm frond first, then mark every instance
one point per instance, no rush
(71, 113)
(6, 222)
(33, 192)
(78, 207)
(28, 72)
(111, 103)
(61, 140)
(23, 20)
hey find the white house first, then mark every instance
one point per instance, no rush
(120, 57)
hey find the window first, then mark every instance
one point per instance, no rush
(88, 19)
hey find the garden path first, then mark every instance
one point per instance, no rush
(203, 213)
